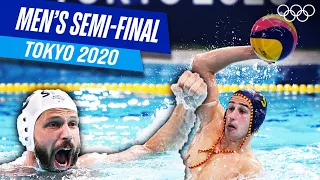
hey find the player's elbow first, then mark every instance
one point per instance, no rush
(197, 64)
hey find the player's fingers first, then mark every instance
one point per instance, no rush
(201, 90)
(176, 89)
(190, 81)
(196, 85)
(183, 78)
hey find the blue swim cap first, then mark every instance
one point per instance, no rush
(258, 107)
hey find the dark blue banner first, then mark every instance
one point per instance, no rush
(93, 25)
(80, 35)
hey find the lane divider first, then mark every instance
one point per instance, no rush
(159, 89)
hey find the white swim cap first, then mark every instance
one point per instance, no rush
(35, 104)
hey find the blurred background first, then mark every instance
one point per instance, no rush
(216, 23)
(196, 26)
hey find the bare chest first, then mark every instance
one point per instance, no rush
(216, 164)
(201, 141)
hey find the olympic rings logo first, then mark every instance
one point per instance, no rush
(296, 14)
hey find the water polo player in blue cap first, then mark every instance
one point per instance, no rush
(221, 148)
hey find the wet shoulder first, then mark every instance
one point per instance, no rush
(18, 163)
(16, 169)
(250, 166)
(251, 159)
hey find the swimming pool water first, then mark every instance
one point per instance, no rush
(288, 143)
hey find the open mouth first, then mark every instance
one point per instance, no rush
(231, 127)
(62, 158)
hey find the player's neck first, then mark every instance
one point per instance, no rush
(227, 144)
(30, 159)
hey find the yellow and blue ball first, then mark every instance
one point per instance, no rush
(273, 38)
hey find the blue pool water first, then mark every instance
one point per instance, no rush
(288, 143)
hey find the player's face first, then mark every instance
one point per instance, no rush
(237, 119)
(57, 139)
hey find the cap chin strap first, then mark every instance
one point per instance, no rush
(212, 150)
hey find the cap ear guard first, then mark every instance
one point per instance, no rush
(25, 131)
(26, 122)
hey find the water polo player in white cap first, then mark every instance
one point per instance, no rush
(49, 129)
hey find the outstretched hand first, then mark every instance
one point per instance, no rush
(190, 90)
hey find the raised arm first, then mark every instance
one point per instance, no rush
(207, 65)
(190, 92)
